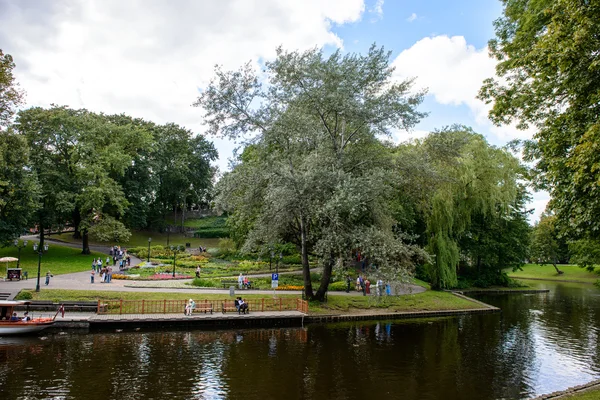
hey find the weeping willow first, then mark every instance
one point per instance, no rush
(476, 178)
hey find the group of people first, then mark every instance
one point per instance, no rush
(189, 307)
(15, 317)
(105, 271)
(119, 255)
(241, 306)
(363, 284)
(243, 282)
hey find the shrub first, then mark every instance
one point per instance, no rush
(200, 282)
(24, 295)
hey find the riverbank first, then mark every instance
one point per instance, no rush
(571, 273)
(588, 391)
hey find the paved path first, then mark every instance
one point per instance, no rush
(81, 281)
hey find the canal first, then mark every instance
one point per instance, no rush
(539, 343)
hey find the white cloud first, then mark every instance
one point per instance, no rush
(412, 17)
(147, 58)
(454, 71)
(377, 10)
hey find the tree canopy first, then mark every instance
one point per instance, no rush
(548, 78)
(316, 173)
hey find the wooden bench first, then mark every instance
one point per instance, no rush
(227, 284)
(203, 307)
(229, 305)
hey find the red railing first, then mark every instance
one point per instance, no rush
(178, 306)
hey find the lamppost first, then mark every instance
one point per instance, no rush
(149, 241)
(175, 250)
(40, 251)
(16, 242)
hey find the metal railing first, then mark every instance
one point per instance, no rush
(178, 306)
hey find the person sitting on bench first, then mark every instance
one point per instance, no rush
(236, 302)
(243, 306)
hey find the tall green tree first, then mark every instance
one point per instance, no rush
(547, 247)
(316, 174)
(548, 78)
(10, 95)
(19, 188)
(471, 179)
(76, 156)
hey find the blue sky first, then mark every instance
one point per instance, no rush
(147, 58)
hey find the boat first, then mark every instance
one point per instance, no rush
(20, 327)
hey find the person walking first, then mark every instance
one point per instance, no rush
(241, 281)
(92, 276)
(48, 275)
(94, 265)
(198, 271)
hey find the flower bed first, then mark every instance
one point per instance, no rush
(290, 287)
(155, 277)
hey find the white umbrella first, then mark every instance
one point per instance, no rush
(7, 260)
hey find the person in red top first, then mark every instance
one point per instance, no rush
(368, 285)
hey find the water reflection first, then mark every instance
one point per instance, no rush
(538, 344)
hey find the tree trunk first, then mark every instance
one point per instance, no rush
(175, 217)
(558, 271)
(85, 243)
(479, 266)
(183, 217)
(327, 269)
(308, 291)
(76, 222)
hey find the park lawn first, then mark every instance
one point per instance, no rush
(58, 260)
(425, 301)
(140, 238)
(572, 273)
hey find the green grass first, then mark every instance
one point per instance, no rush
(593, 394)
(57, 260)
(572, 273)
(140, 238)
(199, 223)
(426, 301)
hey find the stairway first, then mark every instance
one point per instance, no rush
(6, 296)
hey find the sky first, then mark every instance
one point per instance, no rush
(150, 58)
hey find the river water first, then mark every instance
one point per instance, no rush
(540, 343)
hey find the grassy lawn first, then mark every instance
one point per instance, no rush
(593, 394)
(426, 301)
(547, 272)
(57, 260)
(140, 238)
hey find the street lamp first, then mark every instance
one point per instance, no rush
(40, 251)
(149, 241)
(16, 242)
(175, 250)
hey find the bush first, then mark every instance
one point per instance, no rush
(212, 233)
(338, 286)
(24, 295)
(200, 282)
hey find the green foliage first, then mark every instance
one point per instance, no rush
(10, 95)
(109, 229)
(316, 175)
(546, 244)
(585, 253)
(19, 188)
(547, 78)
(212, 233)
(468, 194)
(24, 295)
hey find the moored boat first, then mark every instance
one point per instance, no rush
(20, 326)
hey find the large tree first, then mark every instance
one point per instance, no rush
(19, 189)
(548, 77)
(547, 247)
(10, 95)
(77, 156)
(458, 181)
(316, 174)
